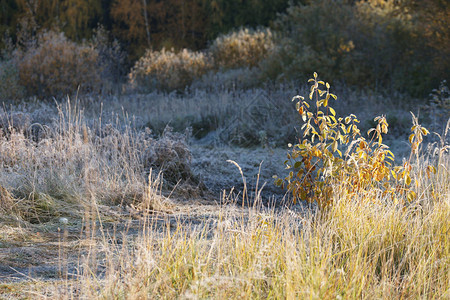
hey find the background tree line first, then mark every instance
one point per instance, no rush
(401, 45)
(138, 24)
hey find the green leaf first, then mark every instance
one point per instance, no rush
(297, 164)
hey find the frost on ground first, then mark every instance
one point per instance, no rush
(258, 166)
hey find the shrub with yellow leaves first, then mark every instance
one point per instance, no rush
(319, 167)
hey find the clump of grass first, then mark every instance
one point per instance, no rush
(55, 174)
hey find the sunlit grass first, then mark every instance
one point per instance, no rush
(358, 248)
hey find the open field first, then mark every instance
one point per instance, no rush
(102, 201)
(180, 149)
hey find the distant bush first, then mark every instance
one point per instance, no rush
(169, 70)
(55, 66)
(111, 60)
(229, 62)
(310, 39)
(244, 48)
(10, 87)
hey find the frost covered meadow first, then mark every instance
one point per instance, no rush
(229, 168)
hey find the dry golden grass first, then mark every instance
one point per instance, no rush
(359, 248)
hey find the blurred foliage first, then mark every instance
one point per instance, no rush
(140, 24)
(401, 45)
(10, 87)
(111, 60)
(381, 44)
(77, 18)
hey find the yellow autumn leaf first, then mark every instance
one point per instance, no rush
(408, 179)
(304, 117)
(334, 146)
(394, 174)
(424, 131)
(411, 196)
(332, 111)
